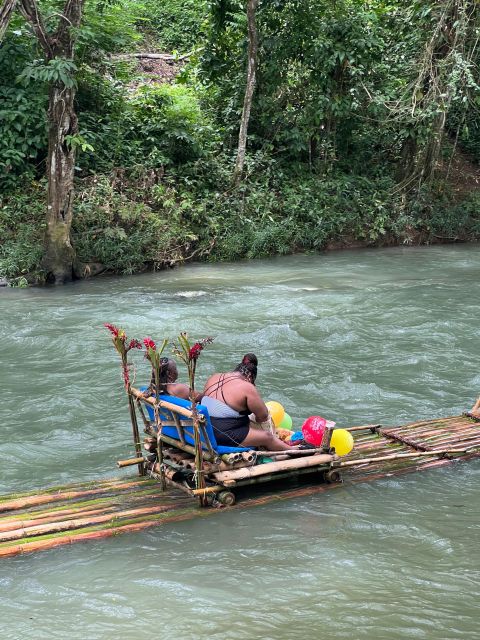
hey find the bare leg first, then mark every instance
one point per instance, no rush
(476, 408)
(259, 438)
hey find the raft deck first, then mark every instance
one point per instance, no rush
(91, 510)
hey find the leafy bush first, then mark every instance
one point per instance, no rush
(173, 25)
(107, 27)
(130, 222)
(291, 213)
(22, 216)
(23, 130)
(164, 125)
(101, 106)
(444, 217)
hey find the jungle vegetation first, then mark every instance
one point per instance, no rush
(136, 135)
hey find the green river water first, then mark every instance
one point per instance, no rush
(385, 335)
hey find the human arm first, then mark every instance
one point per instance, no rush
(256, 405)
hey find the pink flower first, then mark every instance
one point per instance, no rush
(149, 344)
(113, 329)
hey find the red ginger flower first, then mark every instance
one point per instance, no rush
(195, 351)
(112, 328)
(149, 344)
(197, 348)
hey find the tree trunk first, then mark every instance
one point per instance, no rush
(59, 253)
(432, 151)
(438, 80)
(406, 164)
(6, 10)
(249, 89)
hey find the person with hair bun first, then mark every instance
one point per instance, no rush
(231, 398)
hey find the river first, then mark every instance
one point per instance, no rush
(385, 336)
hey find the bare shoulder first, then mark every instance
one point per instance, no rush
(251, 390)
(212, 380)
(179, 389)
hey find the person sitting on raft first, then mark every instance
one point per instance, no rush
(168, 381)
(230, 398)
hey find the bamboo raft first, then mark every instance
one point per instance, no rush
(89, 511)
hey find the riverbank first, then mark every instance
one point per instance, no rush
(135, 221)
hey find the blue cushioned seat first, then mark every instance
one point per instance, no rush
(172, 432)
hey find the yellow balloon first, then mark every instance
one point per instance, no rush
(276, 411)
(342, 440)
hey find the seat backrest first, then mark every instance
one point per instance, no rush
(170, 429)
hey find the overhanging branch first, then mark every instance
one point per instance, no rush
(32, 15)
(6, 10)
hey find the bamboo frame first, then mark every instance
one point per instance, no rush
(272, 467)
(272, 477)
(135, 432)
(165, 405)
(186, 447)
(179, 427)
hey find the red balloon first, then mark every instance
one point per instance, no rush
(313, 429)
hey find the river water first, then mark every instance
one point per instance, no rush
(384, 335)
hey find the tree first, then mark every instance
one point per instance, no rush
(58, 49)
(249, 89)
(444, 76)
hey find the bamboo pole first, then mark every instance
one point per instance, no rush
(174, 408)
(177, 456)
(365, 427)
(429, 432)
(173, 474)
(174, 484)
(273, 477)
(396, 456)
(79, 523)
(22, 503)
(230, 484)
(67, 514)
(160, 453)
(179, 426)
(44, 544)
(290, 452)
(230, 458)
(130, 462)
(326, 438)
(135, 432)
(206, 490)
(272, 467)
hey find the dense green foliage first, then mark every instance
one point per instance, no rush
(346, 107)
(175, 25)
(23, 134)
